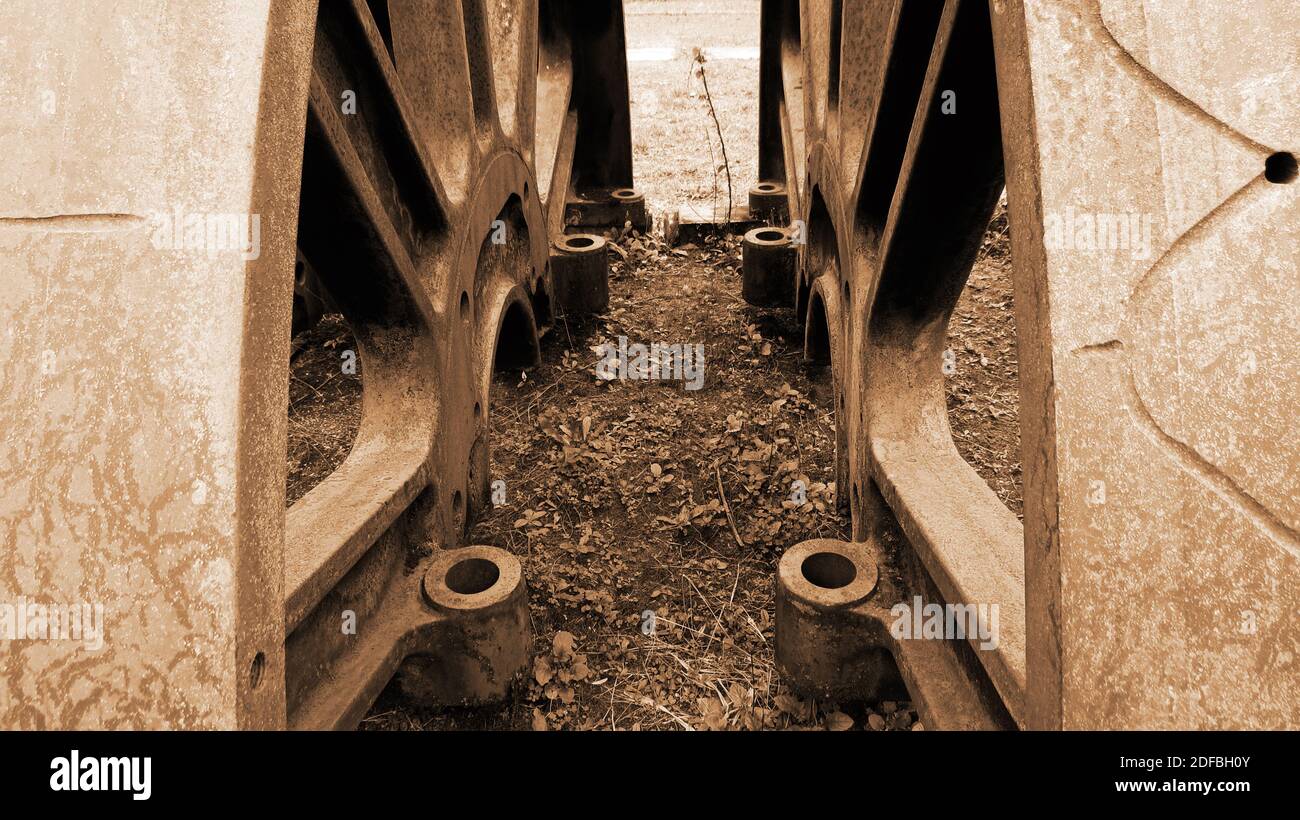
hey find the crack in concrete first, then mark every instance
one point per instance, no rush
(75, 223)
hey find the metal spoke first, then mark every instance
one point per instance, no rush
(432, 58)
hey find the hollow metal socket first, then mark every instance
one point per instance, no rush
(834, 641)
(629, 207)
(769, 204)
(767, 264)
(580, 274)
(824, 646)
(482, 642)
(615, 209)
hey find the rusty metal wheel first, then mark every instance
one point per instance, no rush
(441, 149)
(889, 124)
(893, 198)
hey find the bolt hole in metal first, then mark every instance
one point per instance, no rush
(1280, 168)
(472, 576)
(828, 570)
(766, 187)
(624, 193)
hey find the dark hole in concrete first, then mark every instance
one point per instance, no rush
(255, 673)
(1280, 168)
(472, 576)
(828, 570)
(580, 242)
(770, 236)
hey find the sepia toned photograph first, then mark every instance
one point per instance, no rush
(505, 367)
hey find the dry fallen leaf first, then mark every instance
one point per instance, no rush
(838, 722)
(714, 713)
(562, 646)
(542, 671)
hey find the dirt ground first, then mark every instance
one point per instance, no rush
(650, 518)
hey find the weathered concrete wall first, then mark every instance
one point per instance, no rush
(1159, 349)
(142, 399)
